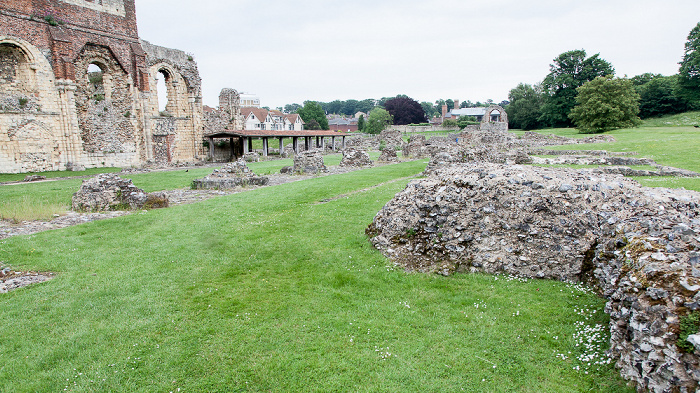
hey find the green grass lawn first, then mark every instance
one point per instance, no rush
(42, 200)
(278, 289)
(7, 177)
(671, 146)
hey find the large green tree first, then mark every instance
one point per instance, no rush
(429, 109)
(689, 72)
(525, 107)
(604, 104)
(569, 71)
(659, 95)
(377, 121)
(313, 111)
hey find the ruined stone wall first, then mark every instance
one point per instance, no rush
(638, 246)
(55, 112)
(60, 29)
(183, 120)
(30, 109)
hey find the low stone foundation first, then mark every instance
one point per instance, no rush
(639, 246)
(108, 191)
(310, 162)
(231, 175)
(355, 158)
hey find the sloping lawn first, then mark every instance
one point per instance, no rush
(278, 289)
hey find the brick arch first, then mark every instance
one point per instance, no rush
(503, 116)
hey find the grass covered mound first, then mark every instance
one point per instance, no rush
(278, 289)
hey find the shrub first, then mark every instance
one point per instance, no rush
(689, 325)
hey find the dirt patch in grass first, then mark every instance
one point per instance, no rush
(11, 280)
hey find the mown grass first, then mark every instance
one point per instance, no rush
(44, 200)
(670, 146)
(7, 177)
(276, 290)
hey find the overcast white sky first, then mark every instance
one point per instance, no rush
(292, 51)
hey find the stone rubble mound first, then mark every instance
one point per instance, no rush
(363, 142)
(309, 162)
(392, 139)
(639, 246)
(355, 158)
(388, 155)
(415, 147)
(231, 175)
(108, 191)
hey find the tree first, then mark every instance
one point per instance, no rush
(291, 108)
(361, 123)
(659, 96)
(377, 121)
(429, 109)
(366, 105)
(405, 110)
(689, 72)
(312, 125)
(525, 107)
(313, 111)
(570, 71)
(604, 104)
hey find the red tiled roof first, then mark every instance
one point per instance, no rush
(260, 113)
(278, 133)
(293, 118)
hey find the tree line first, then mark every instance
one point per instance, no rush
(398, 110)
(582, 91)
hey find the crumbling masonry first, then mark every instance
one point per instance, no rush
(78, 89)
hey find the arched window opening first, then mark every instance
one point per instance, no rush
(162, 88)
(17, 79)
(96, 80)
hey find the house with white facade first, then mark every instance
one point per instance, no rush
(293, 122)
(274, 120)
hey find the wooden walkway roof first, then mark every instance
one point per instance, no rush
(274, 134)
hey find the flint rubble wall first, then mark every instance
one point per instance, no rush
(479, 211)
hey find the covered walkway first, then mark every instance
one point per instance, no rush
(246, 140)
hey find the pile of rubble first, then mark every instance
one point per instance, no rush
(355, 158)
(10, 279)
(388, 155)
(231, 175)
(108, 191)
(309, 162)
(391, 139)
(639, 246)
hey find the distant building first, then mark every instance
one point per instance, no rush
(274, 120)
(250, 100)
(338, 123)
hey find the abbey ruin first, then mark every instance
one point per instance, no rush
(78, 89)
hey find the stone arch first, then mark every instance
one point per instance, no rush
(26, 77)
(105, 108)
(502, 117)
(176, 91)
(29, 119)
